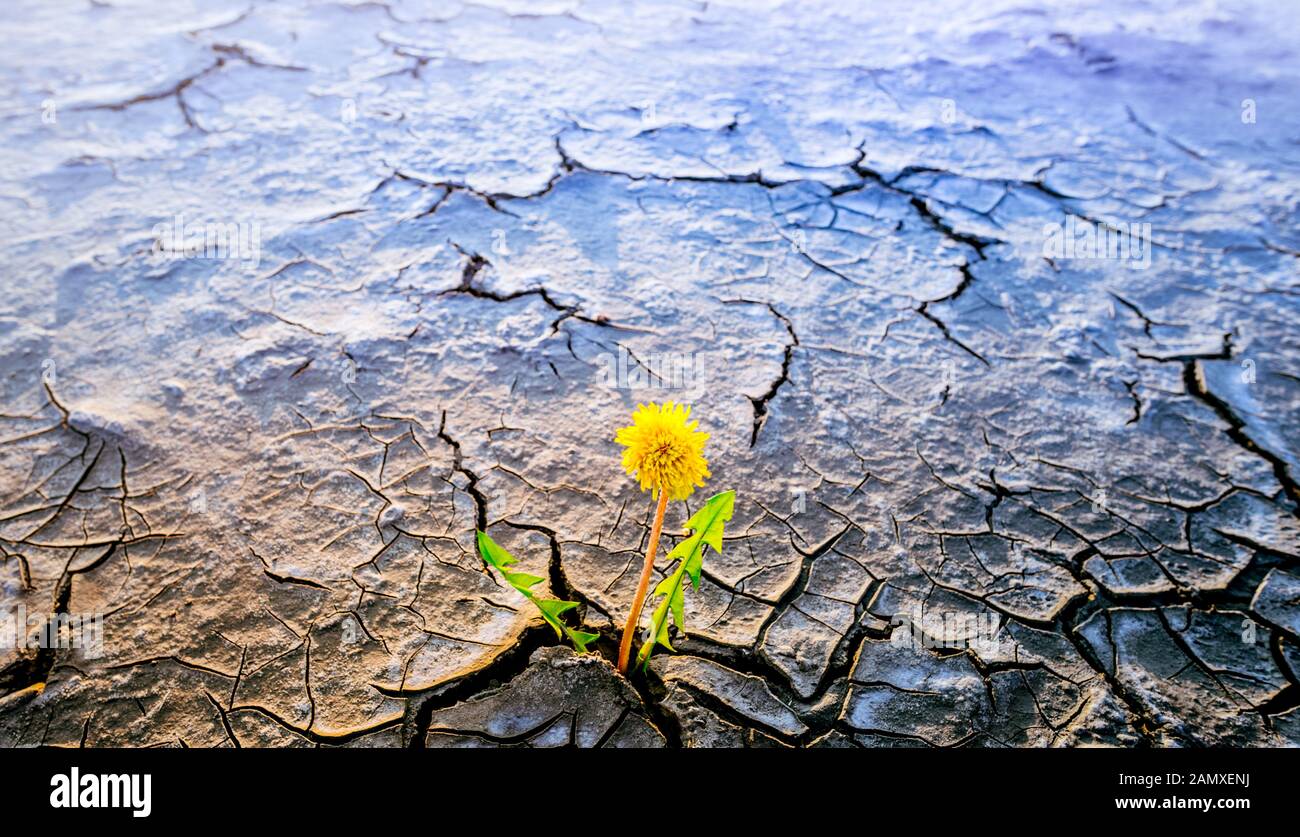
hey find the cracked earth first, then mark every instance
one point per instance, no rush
(266, 473)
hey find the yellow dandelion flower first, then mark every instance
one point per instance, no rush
(664, 451)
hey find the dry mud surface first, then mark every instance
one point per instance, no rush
(484, 232)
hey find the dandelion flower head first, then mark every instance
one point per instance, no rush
(663, 450)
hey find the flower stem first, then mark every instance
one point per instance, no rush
(643, 586)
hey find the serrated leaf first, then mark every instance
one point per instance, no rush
(551, 610)
(520, 581)
(497, 557)
(677, 604)
(581, 639)
(707, 527)
(659, 627)
(554, 607)
(663, 638)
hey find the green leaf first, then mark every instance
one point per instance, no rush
(662, 636)
(493, 553)
(707, 526)
(551, 609)
(581, 639)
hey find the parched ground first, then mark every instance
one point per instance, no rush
(487, 230)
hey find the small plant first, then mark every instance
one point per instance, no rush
(665, 452)
(551, 609)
